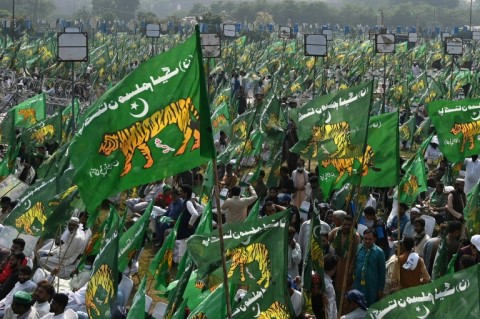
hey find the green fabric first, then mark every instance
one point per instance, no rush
(258, 245)
(414, 181)
(213, 306)
(407, 130)
(175, 129)
(131, 240)
(452, 296)
(102, 287)
(220, 118)
(457, 125)
(384, 168)
(33, 111)
(471, 211)
(137, 310)
(32, 210)
(161, 265)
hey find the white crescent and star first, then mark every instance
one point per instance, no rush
(144, 112)
(476, 117)
(427, 312)
(258, 311)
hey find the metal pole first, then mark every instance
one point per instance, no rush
(314, 75)
(451, 78)
(152, 48)
(13, 21)
(73, 97)
(384, 85)
(471, 6)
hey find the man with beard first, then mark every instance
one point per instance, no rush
(340, 238)
(42, 296)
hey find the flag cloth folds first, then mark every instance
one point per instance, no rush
(384, 158)
(414, 181)
(471, 211)
(333, 125)
(256, 256)
(152, 124)
(30, 111)
(137, 310)
(131, 240)
(102, 287)
(452, 296)
(458, 126)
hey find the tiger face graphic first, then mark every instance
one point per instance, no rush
(102, 279)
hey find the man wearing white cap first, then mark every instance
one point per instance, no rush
(63, 256)
(471, 250)
(472, 172)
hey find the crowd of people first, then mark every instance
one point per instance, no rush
(369, 252)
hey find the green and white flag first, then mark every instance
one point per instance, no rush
(256, 255)
(131, 240)
(137, 311)
(414, 181)
(458, 127)
(452, 296)
(30, 112)
(471, 212)
(152, 124)
(102, 287)
(332, 125)
(382, 158)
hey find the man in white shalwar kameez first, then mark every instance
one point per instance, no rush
(63, 257)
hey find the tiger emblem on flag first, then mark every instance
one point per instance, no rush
(242, 256)
(28, 115)
(345, 165)
(43, 133)
(411, 185)
(101, 279)
(469, 131)
(338, 132)
(219, 121)
(138, 135)
(26, 221)
(167, 260)
(240, 127)
(276, 311)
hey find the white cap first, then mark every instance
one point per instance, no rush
(475, 240)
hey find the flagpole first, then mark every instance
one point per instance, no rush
(220, 234)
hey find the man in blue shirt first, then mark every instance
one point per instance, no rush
(168, 219)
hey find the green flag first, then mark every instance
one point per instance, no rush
(259, 246)
(212, 307)
(314, 256)
(407, 130)
(471, 211)
(254, 212)
(137, 310)
(131, 240)
(161, 265)
(384, 156)
(32, 210)
(220, 118)
(62, 207)
(452, 296)
(414, 181)
(30, 111)
(152, 124)
(331, 125)
(458, 127)
(102, 287)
